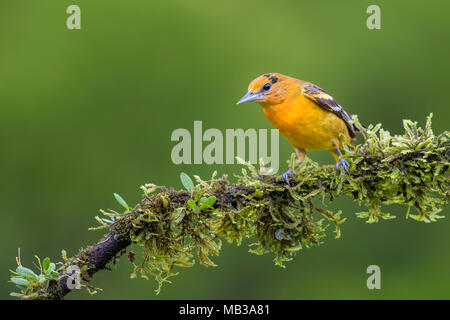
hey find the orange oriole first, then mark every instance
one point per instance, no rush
(304, 113)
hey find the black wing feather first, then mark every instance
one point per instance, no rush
(323, 99)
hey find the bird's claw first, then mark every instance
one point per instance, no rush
(344, 165)
(286, 176)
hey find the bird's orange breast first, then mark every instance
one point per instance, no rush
(305, 124)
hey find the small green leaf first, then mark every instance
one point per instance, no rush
(187, 182)
(46, 263)
(51, 268)
(110, 221)
(26, 273)
(20, 282)
(191, 204)
(53, 276)
(207, 203)
(198, 195)
(122, 202)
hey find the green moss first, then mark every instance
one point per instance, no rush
(409, 169)
(177, 228)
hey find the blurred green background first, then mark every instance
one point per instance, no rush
(89, 112)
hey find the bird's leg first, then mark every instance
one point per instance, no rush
(301, 156)
(340, 162)
(290, 172)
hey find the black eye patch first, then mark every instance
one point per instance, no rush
(273, 79)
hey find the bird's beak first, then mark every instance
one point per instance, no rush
(249, 96)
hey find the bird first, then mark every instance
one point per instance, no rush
(305, 114)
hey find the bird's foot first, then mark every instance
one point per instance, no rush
(344, 164)
(286, 176)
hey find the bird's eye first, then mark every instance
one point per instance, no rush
(267, 86)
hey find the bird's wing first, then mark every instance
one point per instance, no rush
(323, 99)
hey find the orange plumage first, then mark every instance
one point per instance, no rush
(303, 112)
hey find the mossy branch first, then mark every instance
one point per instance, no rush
(176, 227)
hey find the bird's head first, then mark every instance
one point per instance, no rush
(267, 89)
